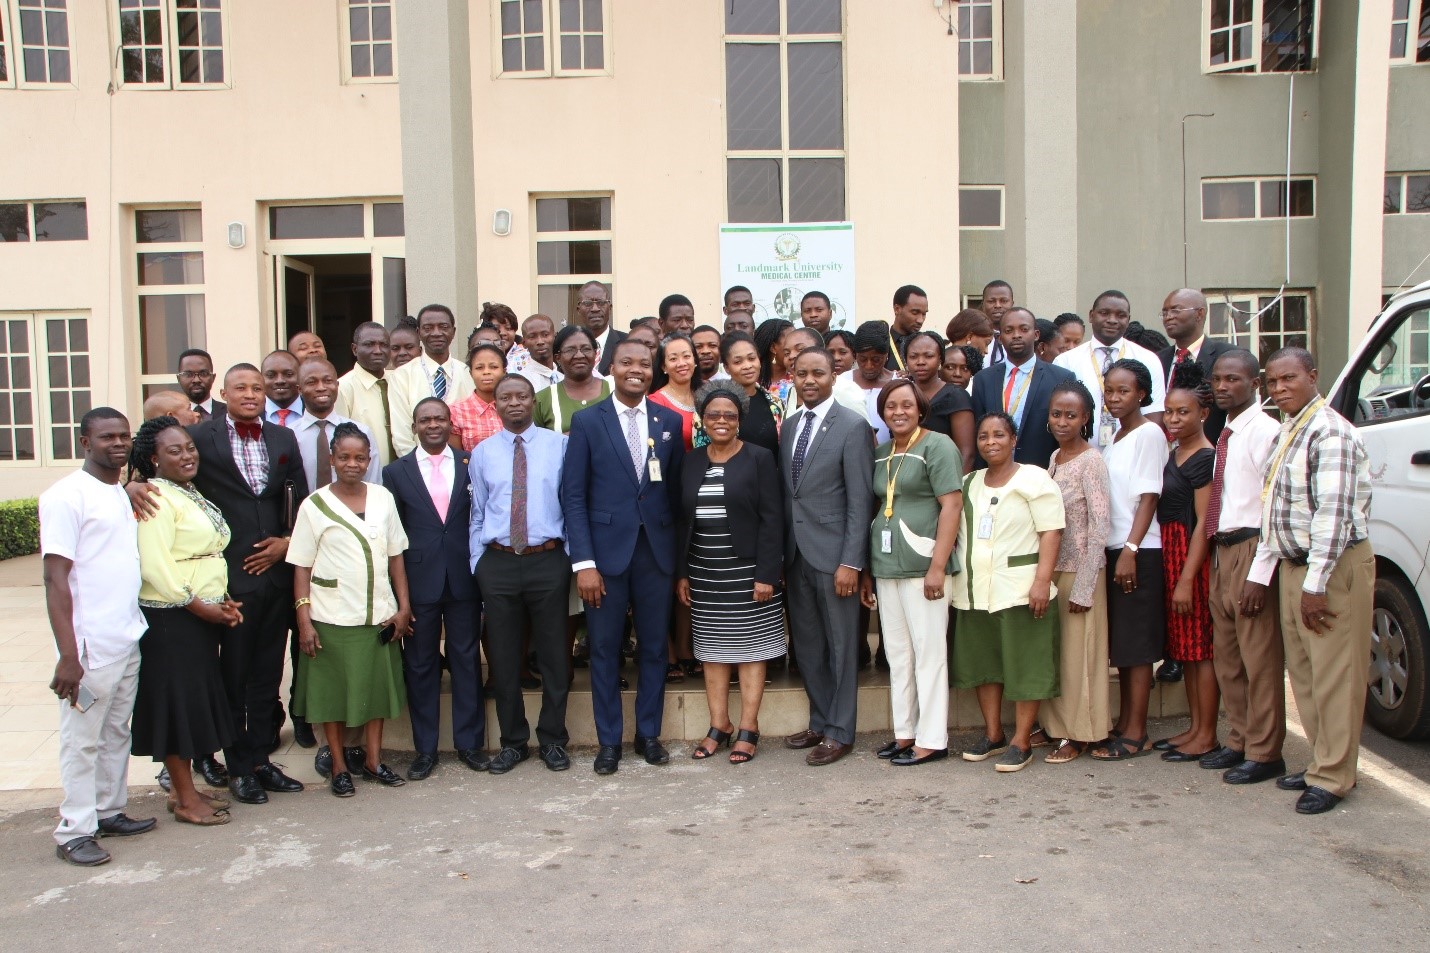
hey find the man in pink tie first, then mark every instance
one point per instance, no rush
(282, 404)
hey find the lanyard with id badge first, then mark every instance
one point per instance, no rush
(652, 464)
(985, 522)
(886, 537)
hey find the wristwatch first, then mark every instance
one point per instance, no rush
(1130, 545)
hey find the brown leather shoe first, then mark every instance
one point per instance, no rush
(803, 739)
(828, 752)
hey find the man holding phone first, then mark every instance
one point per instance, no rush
(90, 543)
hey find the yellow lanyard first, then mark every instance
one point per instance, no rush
(1097, 367)
(894, 350)
(893, 474)
(1277, 461)
(1017, 401)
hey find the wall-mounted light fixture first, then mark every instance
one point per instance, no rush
(236, 236)
(501, 222)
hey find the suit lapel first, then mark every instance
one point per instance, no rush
(419, 485)
(459, 480)
(223, 450)
(616, 431)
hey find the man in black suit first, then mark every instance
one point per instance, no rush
(593, 309)
(430, 487)
(252, 471)
(196, 380)
(1184, 317)
(1022, 386)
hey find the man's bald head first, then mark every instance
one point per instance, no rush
(169, 403)
(1184, 316)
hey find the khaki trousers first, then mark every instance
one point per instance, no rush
(1248, 657)
(1328, 669)
(1082, 712)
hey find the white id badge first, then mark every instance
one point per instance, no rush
(654, 469)
(985, 526)
(1106, 433)
(886, 541)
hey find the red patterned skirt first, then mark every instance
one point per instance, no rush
(1189, 637)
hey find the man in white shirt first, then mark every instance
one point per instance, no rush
(318, 384)
(538, 332)
(91, 563)
(435, 373)
(363, 391)
(281, 403)
(1108, 321)
(1246, 639)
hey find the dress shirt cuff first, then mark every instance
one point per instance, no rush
(847, 566)
(583, 564)
(1318, 576)
(1263, 566)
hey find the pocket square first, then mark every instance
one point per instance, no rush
(665, 436)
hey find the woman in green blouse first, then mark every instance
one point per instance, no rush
(181, 711)
(575, 351)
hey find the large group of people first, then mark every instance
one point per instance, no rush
(1025, 503)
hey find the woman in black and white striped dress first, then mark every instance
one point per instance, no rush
(731, 555)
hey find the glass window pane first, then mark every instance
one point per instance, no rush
(753, 190)
(382, 59)
(57, 31)
(79, 371)
(79, 334)
(980, 208)
(816, 96)
(1273, 198)
(213, 66)
(168, 324)
(510, 18)
(61, 222)
(382, 23)
(752, 17)
(1392, 194)
(752, 96)
(168, 225)
(361, 59)
(189, 67)
(816, 190)
(511, 55)
(982, 59)
(534, 54)
(1397, 41)
(815, 16)
(55, 336)
(571, 52)
(213, 29)
(531, 16)
(35, 66)
(1417, 193)
(315, 221)
(595, 50)
(15, 222)
(394, 289)
(387, 219)
(558, 302)
(593, 15)
(570, 17)
(586, 214)
(982, 25)
(1222, 200)
(358, 23)
(573, 258)
(171, 268)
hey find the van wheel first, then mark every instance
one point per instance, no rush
(1396, 701)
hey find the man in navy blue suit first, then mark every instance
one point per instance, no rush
(619, 484)
(430, 486)
(1022, 386)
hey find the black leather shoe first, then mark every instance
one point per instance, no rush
(1316, 800)
(303, 733)
(555, 757)
(421, 767)
(342, 785)
(122, 825)
(215, 774)
(474, 758)
(246, 789)
(323, 761)
(608, 759)
(1221, 759)
(354, 756)
(891, 750)
(82, 852)
(165, 782)
(1183, 757)
(1292, 782)
(907, 759)
(383, 775)
(508, 758)
(1254, 772)
(1171, 671)
(652, 750)
(275, 781)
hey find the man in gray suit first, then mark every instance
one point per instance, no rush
(827, 462)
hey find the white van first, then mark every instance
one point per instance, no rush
(1385, 391)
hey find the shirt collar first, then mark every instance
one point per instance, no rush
(822, 409)
(1235, 424)
(1025, 366)
(366, 377)
(271, 409)
(446, 454)
(308, 420)
(622, 408)
(1195, 348)
(1117, 345)
(510, 438)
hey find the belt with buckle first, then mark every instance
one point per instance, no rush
(1233, 536)
(545, 547)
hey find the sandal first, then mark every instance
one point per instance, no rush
(217, 818)
(1067, 750)
(692, 667)
(719, 737)
(749, 738)
(674, 674)
(1118, 748)
(216, 803)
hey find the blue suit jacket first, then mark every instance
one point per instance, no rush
(604, 503)
(437, 550)
(1035, 443)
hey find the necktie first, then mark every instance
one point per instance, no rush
(518, 496)
(438, 487)
(283, 413)
(1218, 480)
(1106, 358)
(324, 469)
(796, 463)
(1008, 390)
(203, 414)
(633, 442)
(251, 430)
(439, 384)
(386, 419)
(1183, 354)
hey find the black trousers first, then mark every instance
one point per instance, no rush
(251, 661)
(422, 671)
(518, 590)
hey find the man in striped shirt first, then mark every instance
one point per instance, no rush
(1315, 520)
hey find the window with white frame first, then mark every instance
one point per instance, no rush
(36, 43)
(52, 221)
(784, 111)
(169, 285)
(1409, 31)
(1407, 193)
(980, 206)
(1231, 200)
(551, 37)
(44, 386)
(368, 34)
(572, 247)
(980, 39)
(1259, 36)
(171, 44)
(1259, 322)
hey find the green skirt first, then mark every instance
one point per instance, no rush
(352, 679)
(1009, 648)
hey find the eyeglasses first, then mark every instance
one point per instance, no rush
(1166, 311)
(580, 350)
(590, 302)
(195, 375)
(727, 415)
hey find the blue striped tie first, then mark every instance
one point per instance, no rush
(439, 384)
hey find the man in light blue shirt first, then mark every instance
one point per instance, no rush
(518, 544)
(281, 403)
